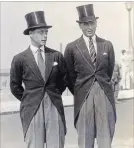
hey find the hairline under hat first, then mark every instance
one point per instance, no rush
(26, 32)
(78, 21)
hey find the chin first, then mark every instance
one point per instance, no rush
(89, 35)
(43, 44)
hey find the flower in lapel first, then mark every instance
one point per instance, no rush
(104, 53)
(55, 63)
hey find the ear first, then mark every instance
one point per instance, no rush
(96, 23)
(30, 33)
(80, 25)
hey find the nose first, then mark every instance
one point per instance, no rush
(45, 35)
(89, 26)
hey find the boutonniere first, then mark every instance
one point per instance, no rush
(55, 63)
(104, 53)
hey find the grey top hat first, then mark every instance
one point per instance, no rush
(35, 20)
(86, 13)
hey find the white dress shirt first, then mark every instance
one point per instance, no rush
(86, 39)
(35, 52)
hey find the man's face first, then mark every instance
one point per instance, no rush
(39, 36)
(88, 28)
(123, 52)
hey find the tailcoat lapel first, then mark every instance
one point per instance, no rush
(49, 59)
(100, 50)
(81, 45)
(31, 63)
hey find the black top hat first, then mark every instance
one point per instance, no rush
(86, 13)
(35, 20)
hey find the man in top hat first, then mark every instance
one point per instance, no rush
(125, 69)
(43, 72)
(116, 78)
(90, 63)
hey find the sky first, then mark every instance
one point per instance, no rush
(112, 25)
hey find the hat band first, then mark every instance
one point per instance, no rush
(87, 18)
(41, 25)
(35, 24)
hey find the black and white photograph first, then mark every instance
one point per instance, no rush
(67, 74)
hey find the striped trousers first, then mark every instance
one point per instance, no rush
(96, 119)
(46, 125)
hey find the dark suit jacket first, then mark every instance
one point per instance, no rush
(82, 72)
(24, 69)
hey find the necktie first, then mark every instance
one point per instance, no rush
(92, 51)
(41, 63)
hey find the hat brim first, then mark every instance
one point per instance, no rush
(87, 20)
(26, 32)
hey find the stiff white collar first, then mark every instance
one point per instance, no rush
(34, 49)
(87, 39)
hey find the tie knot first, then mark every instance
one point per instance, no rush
(39, 50)
(90, 39)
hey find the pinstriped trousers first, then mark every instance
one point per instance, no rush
(46, 123)
(96, 118)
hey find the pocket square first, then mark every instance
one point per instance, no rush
(55, 63)
(104, 53)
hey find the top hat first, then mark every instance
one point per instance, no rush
(35, 20)
(86, 13)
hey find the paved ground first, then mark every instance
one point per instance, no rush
(11, 130)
